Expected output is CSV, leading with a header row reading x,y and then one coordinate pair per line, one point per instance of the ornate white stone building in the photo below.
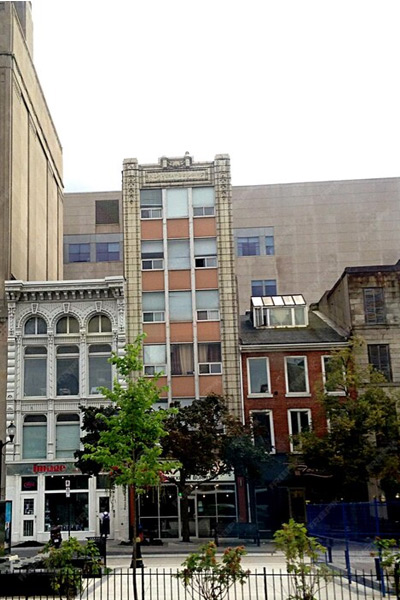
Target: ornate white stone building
x,y
60,337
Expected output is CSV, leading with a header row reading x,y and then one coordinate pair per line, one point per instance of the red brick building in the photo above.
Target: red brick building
x,y
284,351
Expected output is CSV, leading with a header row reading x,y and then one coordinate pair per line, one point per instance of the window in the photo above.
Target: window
x,y
99,367
79,253
278,315
35,326
262,426
203,200
151,204
207,305
107,251
99,324
67,371
182,359
379,359
153,305
248,246
263,287
269,245
299,422
258,376
67,325
205,253
107,212
154,359
374,306
178,254
210,358
177,203
34,437
296,375
68,433
152,255
35,371
333,376
180,306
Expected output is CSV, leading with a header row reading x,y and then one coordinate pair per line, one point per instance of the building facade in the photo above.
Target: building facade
x,y
285,348
60,337
31,203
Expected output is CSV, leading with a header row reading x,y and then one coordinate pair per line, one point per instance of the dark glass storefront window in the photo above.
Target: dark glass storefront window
x,y
28,484
71,513
57,482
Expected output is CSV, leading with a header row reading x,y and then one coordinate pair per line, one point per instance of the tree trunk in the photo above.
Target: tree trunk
x,y
134,546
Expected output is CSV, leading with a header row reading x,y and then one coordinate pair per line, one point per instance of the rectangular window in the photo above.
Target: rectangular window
x,y
182,359
177,203
152,255
374,306
79,253
100,372
151,204
35,371
180,306
107,251
207,305
154,358
210,358
153,305
178,254
333,376
67,369
107,212
299,422
269,245
262,426
264,287
205,253
379,359
68,433
258,376
203,200
34,437
296,375
248,246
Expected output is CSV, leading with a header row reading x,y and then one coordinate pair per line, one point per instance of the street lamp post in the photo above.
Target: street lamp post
x,y
11,435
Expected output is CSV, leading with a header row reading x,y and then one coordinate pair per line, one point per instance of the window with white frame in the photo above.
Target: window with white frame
x,y
153,307
99,324
34,437
182,359
210,361
180,306
177,203
35,371
152,255
178,254
263,430
100,371
279,311
151,204
207,305
333,375
258,376
205,253
203,200
299,422
296,375
35,326
68,432
67,326
154,358
67,370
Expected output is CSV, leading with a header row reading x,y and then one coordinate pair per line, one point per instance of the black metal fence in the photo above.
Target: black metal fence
x,y
163,584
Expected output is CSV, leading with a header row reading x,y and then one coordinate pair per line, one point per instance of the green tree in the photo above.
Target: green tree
x,y
363,437
128,446
208,442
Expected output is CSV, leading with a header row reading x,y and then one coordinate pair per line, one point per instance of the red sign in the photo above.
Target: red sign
x,y
49,468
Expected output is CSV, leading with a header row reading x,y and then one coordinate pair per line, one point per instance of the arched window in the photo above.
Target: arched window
x,y
35,371
99,324
99,367
67,325
67,370
34,437
68,433
35,326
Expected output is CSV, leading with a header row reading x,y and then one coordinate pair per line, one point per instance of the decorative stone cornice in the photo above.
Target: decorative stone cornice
x,y
64,291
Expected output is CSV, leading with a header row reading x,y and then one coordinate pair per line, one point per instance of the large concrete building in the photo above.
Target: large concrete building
x,y
31,204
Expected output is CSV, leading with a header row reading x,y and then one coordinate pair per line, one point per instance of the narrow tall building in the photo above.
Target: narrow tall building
x,y
179,266
30,171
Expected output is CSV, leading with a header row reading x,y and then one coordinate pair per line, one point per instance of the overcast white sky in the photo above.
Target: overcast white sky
x,y
293,90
